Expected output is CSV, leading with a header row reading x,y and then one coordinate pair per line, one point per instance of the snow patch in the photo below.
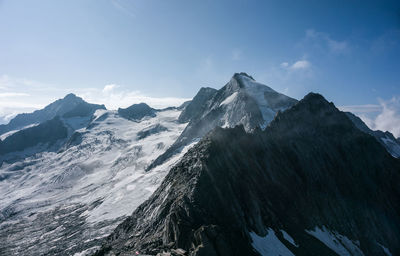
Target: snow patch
x,y
393,146
89,251
386,250
229,99
269,245
5,135
257,91
288,238
337,242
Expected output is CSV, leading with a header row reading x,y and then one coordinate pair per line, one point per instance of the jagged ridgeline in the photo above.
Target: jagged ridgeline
x,y
311,183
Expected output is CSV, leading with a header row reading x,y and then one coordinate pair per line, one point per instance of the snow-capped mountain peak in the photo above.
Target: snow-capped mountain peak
x,y
242,101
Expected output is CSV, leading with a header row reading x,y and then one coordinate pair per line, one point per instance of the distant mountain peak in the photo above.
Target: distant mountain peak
x,y
71,105
136,112
242,101
71,96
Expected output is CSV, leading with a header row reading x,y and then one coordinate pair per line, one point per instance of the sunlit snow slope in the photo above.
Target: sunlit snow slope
x,y
62,203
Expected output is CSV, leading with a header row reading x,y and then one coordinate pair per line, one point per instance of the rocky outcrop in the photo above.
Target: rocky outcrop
x,y
196,108
310,171
137,111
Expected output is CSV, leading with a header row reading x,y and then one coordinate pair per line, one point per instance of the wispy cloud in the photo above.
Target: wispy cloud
x,y
301,64
368,108
123,8
19,95
236,54
324,41
12,94
115,96
109,88
384,117
389,40
389,118
284,64
297,65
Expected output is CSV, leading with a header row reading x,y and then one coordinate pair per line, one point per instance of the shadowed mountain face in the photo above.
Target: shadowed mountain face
x,y
70,105
137,111
310,184
242,101
46,133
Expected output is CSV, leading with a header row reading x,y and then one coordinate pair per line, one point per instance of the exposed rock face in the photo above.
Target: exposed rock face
x,y
387,139
83,109
70,103
310,171
195,108
242,101
137,111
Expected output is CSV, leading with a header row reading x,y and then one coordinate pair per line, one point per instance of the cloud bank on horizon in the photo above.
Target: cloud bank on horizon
x,y
384,117
14,101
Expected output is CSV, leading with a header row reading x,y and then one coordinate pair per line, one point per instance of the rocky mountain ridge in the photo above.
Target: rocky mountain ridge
x,y
320,187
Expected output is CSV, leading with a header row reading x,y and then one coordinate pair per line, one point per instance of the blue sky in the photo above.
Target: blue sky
x,y
118,52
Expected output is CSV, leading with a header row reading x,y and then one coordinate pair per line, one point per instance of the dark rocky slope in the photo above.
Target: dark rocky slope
x,y
310,168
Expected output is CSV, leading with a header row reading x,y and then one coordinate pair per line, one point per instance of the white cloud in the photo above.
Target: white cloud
x,y
109,88
384,117
389,118
298,65
115,96
284,64
19,95
301,64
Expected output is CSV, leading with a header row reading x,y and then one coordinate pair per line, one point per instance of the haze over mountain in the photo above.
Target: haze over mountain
x,y
243,169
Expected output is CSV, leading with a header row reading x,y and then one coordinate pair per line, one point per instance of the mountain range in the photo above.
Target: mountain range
x,y
243,170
